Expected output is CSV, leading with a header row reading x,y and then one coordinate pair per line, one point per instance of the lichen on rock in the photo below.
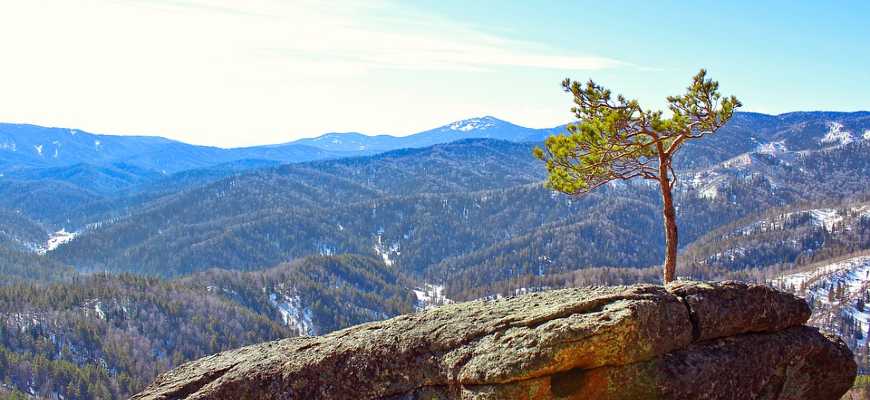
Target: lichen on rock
x,y
690,340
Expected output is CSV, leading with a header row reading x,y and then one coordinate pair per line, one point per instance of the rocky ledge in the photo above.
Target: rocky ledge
x,y
685,341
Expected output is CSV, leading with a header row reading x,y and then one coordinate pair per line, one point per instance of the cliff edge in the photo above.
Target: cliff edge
x,y
689,340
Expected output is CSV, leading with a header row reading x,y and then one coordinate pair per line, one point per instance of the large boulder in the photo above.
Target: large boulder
x,y
690,340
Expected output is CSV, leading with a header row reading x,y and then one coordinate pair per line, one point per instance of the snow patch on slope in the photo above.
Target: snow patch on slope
x,y
807,281
772,148
834,291
96,306
55,240
743,160
823,217
293,314
730,254
707,183
837,135
430,296
325,250
710,192
385,251
826,217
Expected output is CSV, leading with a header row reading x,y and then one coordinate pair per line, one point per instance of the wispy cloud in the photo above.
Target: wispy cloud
x,y
325,36
258,71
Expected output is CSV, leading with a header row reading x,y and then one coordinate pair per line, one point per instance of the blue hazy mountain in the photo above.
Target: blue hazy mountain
x,y
41,168
25,146
28,147
474,128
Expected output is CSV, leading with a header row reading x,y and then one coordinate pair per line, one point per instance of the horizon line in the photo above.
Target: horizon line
x,y
158,136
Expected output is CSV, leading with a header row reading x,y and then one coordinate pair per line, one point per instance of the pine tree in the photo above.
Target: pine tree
x,y
619,140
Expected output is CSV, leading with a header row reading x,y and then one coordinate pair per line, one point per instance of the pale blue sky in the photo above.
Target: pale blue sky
x,y
233,73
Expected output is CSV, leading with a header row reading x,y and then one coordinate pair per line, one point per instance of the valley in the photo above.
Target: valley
x,y
124,259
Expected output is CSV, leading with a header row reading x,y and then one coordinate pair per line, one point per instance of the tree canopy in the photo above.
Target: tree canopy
x,y
616,139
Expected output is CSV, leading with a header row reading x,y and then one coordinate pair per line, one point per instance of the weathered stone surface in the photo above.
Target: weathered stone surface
x,y
640,341
796,363
730,308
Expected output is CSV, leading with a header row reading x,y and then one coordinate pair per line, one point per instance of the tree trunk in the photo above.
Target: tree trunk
x,y
670,220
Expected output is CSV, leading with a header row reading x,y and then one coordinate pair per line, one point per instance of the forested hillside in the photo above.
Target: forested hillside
x,y
837,290
113,271
424,210
21,240
105,336
796,235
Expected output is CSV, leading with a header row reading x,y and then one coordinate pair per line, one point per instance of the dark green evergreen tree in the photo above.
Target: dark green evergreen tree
x,y
619,140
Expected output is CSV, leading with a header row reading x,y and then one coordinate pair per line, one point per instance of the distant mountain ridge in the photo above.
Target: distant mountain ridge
x,y
65,191
370,233
25,146
424,209
487,127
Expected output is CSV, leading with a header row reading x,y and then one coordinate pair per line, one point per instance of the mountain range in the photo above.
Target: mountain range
x,y
484,127
24,146
142,220
320,234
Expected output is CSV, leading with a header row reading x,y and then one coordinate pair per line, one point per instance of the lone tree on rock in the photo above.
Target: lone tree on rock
x,y
619,140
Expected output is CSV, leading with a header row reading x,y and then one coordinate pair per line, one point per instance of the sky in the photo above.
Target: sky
x,y
237,73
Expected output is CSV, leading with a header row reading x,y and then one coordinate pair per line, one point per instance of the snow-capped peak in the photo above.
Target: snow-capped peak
x,y
472,124
867,134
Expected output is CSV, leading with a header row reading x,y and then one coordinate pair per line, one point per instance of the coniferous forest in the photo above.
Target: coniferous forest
x,y
113,271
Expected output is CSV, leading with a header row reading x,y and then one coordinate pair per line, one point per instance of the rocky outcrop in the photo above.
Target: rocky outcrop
x,y
687,341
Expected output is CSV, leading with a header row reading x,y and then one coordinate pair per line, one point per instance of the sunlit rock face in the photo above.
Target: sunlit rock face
x,y
688,340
